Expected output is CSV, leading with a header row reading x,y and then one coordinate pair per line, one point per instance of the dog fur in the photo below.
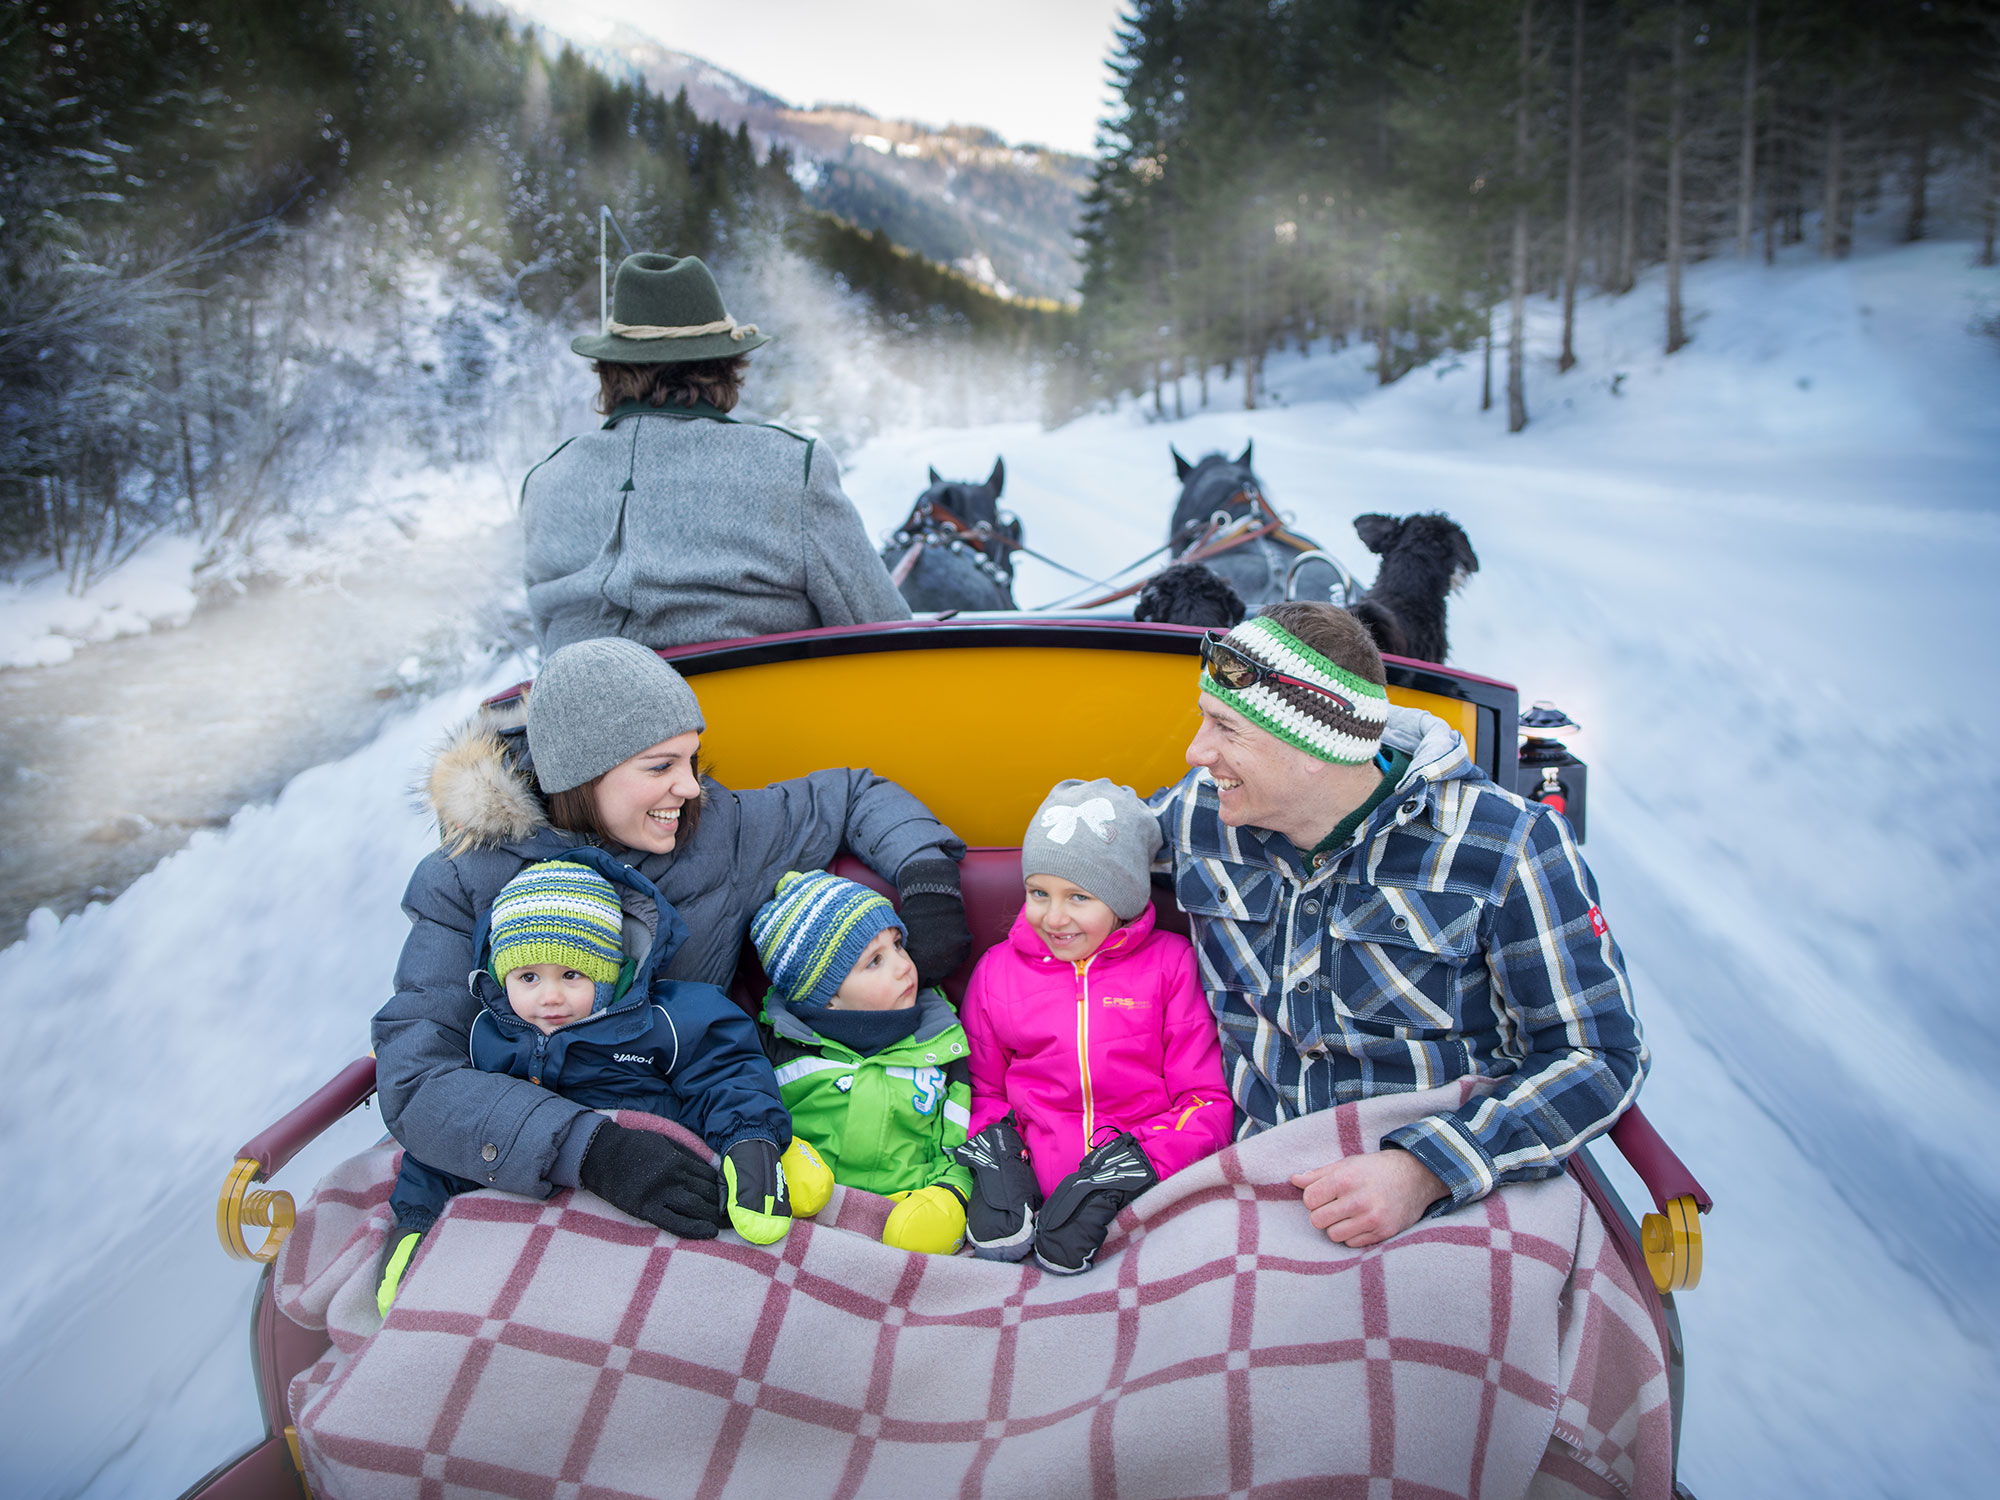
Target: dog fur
x,y
1425,559
1189,594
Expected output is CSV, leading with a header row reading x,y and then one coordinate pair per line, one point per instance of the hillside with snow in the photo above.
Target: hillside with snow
x,y
1758,573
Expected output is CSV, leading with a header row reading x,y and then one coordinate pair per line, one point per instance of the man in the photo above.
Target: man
x,y
1373,915
675,523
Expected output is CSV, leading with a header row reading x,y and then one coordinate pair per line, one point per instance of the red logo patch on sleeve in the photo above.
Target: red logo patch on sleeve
x,y
1597,923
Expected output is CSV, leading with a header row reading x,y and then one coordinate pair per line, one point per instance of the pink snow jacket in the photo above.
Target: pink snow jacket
x,y
1123,1040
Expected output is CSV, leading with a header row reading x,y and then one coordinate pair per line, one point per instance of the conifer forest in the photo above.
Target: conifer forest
x,y
1409,172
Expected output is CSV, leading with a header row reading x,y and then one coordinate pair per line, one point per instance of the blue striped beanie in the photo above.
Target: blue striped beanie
x,y
558,912
812,932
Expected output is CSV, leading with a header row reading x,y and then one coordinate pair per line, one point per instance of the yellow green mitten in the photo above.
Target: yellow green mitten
x,y
808,1179
753,1191
396,1252
928,1220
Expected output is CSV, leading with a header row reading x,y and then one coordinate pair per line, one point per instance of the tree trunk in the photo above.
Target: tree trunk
x,y
1992,203
1746,179
1486,377
1628,209
1676,332
1517,399
1251,360
1920,172
1831,245
1573,205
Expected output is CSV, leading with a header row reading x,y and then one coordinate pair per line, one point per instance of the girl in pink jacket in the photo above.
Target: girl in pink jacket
x,y
1095,1066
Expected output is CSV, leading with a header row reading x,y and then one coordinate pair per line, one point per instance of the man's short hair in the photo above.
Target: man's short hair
x,y
1334,634
718,382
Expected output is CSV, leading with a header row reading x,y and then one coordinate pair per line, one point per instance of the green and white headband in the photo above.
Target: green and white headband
x,y
1326,710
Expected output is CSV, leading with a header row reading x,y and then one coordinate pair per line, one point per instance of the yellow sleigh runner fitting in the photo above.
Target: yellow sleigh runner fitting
x,y
1672,1242
262,1208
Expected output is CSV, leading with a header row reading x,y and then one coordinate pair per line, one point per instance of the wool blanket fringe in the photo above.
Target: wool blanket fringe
x,y
1221,1347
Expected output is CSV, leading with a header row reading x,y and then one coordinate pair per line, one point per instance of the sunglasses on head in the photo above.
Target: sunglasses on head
x,y
1240,672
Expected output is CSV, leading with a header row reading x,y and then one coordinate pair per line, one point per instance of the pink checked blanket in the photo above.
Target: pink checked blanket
x,y
1221,1347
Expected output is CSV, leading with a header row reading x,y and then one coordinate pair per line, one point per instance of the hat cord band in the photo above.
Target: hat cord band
x,y
736,330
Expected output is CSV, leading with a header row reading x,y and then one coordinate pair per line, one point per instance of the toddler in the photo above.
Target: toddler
x,y
872,1069
565,1008
1095,1065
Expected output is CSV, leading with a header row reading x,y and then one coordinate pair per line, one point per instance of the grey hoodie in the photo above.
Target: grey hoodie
x,y
673,526
506,1132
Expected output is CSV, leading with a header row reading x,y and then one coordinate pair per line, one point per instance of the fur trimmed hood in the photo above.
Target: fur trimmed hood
x,y
479,789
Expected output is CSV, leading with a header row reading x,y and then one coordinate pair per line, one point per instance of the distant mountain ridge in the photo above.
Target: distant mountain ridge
x,y
1004,216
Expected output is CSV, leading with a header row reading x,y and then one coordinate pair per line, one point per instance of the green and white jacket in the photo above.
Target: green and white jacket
x,y
884,1123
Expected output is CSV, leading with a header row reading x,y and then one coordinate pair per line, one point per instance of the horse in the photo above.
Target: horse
x,y
955,551
1224,522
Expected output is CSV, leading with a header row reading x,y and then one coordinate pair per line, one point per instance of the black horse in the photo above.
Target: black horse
x,y
1224,519
956,549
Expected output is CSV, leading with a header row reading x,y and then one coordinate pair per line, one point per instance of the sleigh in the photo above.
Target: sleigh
x,y
942,707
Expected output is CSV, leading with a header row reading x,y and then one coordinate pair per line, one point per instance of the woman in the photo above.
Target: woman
x,y
613,742
674,522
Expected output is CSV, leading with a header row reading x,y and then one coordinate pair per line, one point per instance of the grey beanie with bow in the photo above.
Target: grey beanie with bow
x,y
1097,835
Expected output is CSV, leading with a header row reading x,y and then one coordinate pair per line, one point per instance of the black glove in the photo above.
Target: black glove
x,y
1000,1214
935,934
653,1178
1079,1212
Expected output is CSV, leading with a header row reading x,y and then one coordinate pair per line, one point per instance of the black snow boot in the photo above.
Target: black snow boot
x,y
1079,1212
1000,1214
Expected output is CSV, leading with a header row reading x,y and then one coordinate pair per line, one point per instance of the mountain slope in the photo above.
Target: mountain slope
x,y
1005,216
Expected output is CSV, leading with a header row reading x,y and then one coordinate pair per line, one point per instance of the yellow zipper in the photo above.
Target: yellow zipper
x,y
1083,1046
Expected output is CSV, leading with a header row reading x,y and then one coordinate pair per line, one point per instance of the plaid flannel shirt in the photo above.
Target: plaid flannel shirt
x,y
1457,933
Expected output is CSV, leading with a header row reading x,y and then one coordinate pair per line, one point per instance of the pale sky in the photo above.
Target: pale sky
x,y
1034,70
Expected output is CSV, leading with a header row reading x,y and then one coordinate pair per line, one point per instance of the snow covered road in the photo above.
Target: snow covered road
x,y
1768,603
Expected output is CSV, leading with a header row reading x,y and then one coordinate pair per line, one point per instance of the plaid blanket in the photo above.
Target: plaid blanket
x,y
1221,1347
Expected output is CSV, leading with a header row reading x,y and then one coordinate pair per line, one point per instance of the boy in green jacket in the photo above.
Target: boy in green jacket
x,y
874,1071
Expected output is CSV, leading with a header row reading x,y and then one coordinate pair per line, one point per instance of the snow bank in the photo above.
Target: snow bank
x,y
42,623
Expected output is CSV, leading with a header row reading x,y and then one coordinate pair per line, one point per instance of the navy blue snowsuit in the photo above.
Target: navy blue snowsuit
x,y
668,1047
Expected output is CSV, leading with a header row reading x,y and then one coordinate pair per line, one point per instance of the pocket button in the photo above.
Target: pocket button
x,y
489,1152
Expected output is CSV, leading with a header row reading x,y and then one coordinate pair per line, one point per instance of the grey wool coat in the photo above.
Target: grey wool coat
x,y
680,524
508,1133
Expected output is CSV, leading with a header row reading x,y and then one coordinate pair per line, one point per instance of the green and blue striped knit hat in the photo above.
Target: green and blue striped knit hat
x,y
558,912
1342,723
812,932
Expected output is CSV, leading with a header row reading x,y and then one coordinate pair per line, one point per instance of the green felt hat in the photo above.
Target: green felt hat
x,y
666,310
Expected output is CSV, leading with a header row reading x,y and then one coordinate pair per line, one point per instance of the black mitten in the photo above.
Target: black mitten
x,y
654,1178
935,933
1000,1214
1072,1225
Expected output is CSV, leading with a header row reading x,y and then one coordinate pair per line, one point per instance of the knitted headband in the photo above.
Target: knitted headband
x,y
558,912
1346,729
812,932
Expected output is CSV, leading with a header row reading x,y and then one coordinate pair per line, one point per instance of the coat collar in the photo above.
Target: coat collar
x,y
642,409
935,1019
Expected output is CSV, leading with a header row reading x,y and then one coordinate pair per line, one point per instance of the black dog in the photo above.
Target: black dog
x,y
1189,594
1424,559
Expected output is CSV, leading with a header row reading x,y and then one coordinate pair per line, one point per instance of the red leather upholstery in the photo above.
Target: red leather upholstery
x,y
989,879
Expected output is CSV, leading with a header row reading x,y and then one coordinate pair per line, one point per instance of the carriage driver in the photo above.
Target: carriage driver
x,y
1374,916
675,523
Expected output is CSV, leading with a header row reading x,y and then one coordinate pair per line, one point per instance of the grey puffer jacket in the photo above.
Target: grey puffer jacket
x,y
679,525
506,1132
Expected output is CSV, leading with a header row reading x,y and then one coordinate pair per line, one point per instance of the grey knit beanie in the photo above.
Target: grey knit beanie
x,y
597,703
1098,835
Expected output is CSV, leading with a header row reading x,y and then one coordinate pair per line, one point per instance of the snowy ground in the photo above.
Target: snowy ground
x,y
1757,573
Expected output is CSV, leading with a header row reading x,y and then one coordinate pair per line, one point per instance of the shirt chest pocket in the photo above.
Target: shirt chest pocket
x,y
1399,957
1235,909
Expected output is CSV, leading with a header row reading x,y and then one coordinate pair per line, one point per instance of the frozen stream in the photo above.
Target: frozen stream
x,y
111,760
1759,573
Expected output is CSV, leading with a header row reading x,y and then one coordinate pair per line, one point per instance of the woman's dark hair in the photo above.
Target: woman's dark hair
x,y
719,382
575,810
